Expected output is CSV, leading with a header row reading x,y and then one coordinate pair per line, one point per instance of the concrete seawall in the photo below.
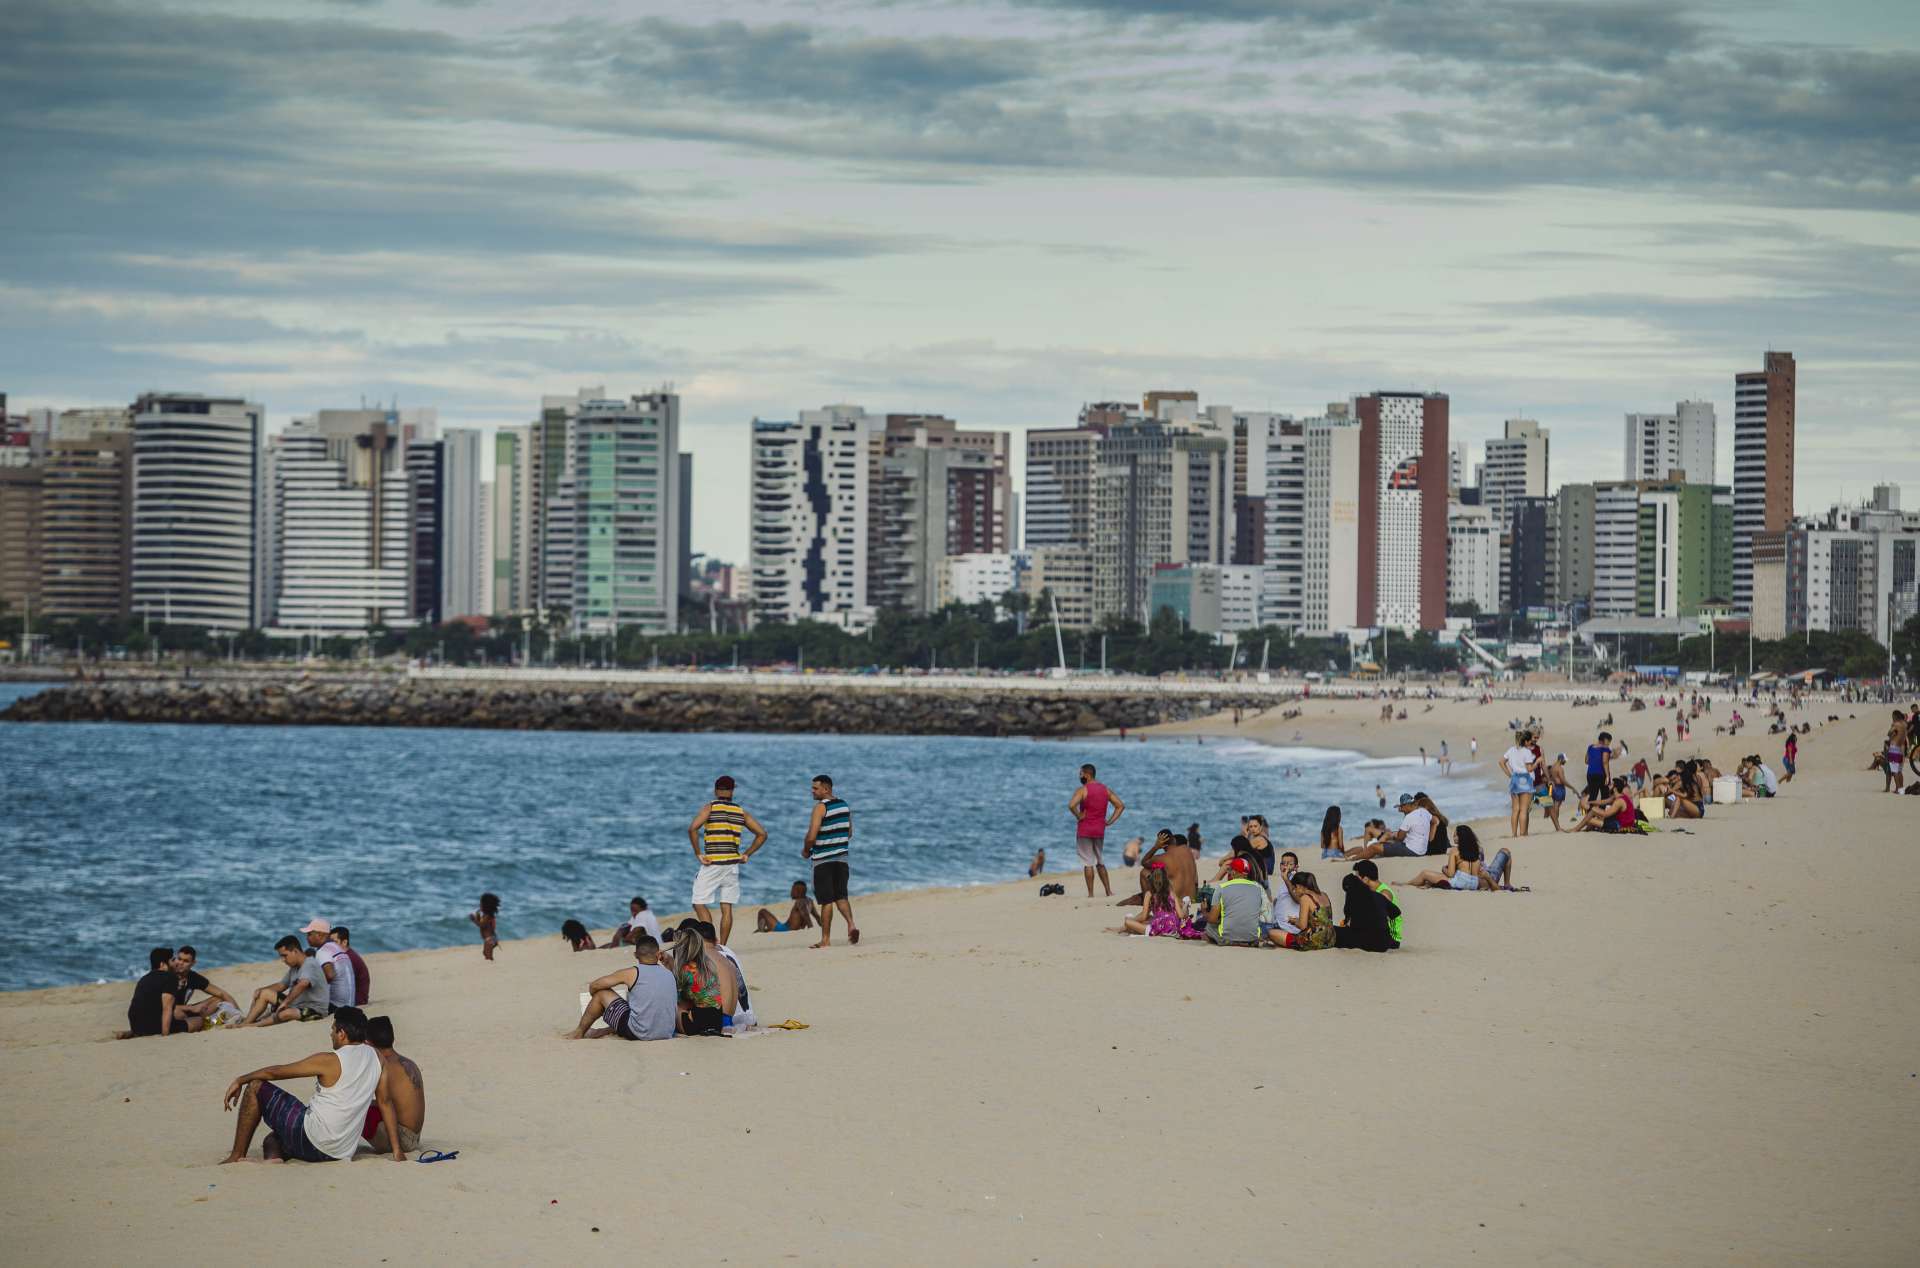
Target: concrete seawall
x,y
699,704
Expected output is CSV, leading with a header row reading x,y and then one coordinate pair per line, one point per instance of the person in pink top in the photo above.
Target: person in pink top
x,y
1094,808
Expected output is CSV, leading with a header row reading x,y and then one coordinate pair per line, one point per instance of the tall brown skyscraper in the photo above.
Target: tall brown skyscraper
x,y
1763,413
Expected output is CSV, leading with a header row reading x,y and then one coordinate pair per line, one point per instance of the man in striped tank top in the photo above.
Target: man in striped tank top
x,y
828,836
715,835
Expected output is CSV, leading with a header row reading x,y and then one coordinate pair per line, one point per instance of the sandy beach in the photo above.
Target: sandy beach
x,y
1678,1048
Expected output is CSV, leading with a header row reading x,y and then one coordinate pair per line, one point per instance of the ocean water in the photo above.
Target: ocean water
x,y
115,838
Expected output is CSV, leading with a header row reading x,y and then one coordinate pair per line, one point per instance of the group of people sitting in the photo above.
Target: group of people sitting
x,y
323,974
693,986
1246,904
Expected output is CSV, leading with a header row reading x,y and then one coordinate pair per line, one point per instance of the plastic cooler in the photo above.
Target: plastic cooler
x,y
1726,790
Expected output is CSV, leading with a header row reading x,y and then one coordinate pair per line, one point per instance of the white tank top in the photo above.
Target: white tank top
x,y
337,1114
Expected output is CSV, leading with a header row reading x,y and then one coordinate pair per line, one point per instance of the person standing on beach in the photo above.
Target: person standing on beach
x,y
715,836
1090,806
1600,756
1517,765
829,834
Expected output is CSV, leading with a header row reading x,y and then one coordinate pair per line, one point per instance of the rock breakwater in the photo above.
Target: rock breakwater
x,y
701,705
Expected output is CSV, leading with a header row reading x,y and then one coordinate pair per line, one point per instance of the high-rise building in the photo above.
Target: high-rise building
x,y
683,506
1530,547
1763,425
88,522
1856,568
1516,467
343,494
1059,581
1161,495
935,489
1473,558
1403,509
515,499
426,488
625,486
197,495
1661,446
809,539
1331,542
1573,561
1616,548
549,457
22,497
1059,482
1281,475
466,538
1685,551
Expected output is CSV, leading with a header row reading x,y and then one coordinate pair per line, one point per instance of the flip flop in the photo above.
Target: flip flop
x,y
789,1024
434,1155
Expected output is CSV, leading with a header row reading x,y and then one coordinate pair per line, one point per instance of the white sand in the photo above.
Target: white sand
x,y
1676,1048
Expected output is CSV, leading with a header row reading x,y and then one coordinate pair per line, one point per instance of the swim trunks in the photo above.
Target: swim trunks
x,y
830,881
1089,848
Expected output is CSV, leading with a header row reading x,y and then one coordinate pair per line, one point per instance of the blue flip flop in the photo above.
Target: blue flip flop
x,y
434,1155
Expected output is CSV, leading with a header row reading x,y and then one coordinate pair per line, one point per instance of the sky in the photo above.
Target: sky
x,y
995,210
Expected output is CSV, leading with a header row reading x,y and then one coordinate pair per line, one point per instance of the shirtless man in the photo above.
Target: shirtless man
x,y
1183,869
401,1086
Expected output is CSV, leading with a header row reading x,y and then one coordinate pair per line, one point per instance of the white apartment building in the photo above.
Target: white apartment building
x,y
343,528
1276,458
197,511
1616,548
1858,568
1473,557
1059,484
466,540
1059,580
1330,555
808,556
979,577
1658,445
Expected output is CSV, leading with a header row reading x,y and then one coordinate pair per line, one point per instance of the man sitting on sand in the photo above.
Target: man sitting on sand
x,y
1408,841
1238,905
333,961
346,1081
799,916
152,1011
362,980
401,1085
1182,864
639,920
299,996
185,1007
652,1002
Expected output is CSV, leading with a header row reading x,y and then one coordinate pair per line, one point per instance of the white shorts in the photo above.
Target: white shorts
x,y
716,883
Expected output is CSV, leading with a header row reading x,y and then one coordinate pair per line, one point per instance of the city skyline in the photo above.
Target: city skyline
x,y
997,214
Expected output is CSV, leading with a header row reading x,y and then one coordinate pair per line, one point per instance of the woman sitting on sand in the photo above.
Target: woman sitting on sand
x,y
1316,916
702,986
1159,915
1333,841
1462,870
576,935
1676,791
1612,814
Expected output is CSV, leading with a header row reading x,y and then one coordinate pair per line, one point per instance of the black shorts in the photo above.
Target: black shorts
x,y
701,1021
830,881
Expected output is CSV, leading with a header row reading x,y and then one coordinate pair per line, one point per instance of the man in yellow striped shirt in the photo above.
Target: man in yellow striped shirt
x,y
715,836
